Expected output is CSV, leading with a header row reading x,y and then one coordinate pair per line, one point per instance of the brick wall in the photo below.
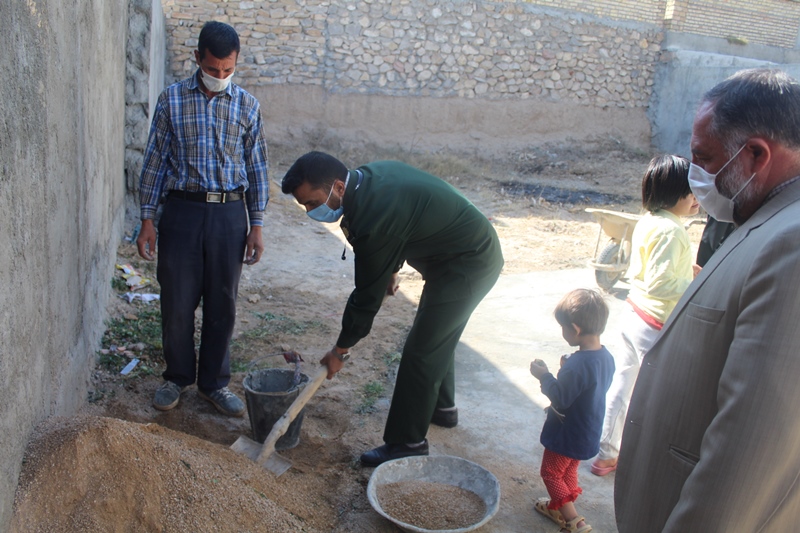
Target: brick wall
x,y
767,22
764,22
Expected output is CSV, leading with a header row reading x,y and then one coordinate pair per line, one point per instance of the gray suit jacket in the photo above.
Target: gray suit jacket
x,y
712,436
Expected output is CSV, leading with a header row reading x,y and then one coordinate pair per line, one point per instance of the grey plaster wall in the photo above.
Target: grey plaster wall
x,y
61,192
306,115
685,74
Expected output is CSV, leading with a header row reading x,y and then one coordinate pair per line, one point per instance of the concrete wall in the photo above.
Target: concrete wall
x,y
690,65
61,192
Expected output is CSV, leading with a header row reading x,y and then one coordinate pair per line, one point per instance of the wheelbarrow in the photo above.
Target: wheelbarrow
x,y
611,262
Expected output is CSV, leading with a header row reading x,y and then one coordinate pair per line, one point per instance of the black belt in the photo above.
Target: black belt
x,y
208,197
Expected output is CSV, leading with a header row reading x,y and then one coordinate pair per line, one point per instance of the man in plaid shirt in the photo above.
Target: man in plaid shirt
x,y
206,160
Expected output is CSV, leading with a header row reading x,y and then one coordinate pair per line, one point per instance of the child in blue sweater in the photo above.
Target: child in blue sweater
x,y
571,432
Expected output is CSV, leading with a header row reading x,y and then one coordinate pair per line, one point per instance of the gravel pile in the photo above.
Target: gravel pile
x,y
103,474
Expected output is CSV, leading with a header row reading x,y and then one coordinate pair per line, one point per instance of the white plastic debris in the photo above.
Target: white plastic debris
x,y
130,366
145,297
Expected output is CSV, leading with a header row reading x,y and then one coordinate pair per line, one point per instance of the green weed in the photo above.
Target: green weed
x,y
284,324
392,358
272,325
370,392
146,328
145,369
119,284
239,365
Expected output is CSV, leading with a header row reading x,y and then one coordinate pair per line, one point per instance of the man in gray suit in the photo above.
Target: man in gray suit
x,y
712,436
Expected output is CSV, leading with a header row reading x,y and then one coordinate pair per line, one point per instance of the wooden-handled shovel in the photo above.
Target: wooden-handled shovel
x,y
265,454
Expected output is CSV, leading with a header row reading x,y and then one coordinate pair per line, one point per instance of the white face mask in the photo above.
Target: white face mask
x,y
215,85
705,190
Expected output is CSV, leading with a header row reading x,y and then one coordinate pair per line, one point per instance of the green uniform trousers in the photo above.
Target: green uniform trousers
x,y
426,377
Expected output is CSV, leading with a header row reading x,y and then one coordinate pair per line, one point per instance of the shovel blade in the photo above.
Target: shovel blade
x,y
277,464
247,446
252,449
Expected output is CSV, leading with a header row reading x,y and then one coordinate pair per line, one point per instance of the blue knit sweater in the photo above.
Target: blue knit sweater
x,y
577,404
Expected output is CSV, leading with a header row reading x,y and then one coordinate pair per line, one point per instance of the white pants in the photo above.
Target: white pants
x,y
637,338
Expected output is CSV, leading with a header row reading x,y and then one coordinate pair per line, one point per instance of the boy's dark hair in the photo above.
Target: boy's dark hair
x,y
585,308
218,38
665,182
318,169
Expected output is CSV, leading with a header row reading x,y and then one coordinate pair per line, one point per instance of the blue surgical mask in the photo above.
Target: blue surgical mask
x,y
323,213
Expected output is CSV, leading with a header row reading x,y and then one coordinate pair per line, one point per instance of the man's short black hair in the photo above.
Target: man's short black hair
x,y
218,38
318,169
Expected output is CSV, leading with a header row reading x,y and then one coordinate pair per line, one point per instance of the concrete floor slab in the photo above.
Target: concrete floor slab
x,y
501,406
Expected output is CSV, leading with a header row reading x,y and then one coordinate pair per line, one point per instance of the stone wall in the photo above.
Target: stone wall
x,y
480,76
61,195
483,75
486,50
144,72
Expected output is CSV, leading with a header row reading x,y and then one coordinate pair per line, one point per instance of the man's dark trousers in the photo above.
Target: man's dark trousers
x,y
200,251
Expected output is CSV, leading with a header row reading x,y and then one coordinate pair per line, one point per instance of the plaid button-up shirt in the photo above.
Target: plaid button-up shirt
x,y
198,143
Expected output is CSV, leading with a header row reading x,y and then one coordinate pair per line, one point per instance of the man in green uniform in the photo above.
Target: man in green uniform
x,y
394,213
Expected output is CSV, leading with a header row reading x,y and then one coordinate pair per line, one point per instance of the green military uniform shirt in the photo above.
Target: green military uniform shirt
x,y
395,213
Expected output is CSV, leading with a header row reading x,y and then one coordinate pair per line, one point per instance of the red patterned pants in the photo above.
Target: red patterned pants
x,y
560,476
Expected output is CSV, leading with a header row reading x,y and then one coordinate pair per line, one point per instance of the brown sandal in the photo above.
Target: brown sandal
x,y
552,514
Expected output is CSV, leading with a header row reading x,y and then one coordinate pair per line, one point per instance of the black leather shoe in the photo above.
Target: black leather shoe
x,y
387,452
445,418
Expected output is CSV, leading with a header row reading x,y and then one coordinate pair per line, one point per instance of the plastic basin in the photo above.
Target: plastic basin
x,y
445,469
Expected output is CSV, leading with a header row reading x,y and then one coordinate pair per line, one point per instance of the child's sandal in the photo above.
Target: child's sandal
x,y
572,525
552,514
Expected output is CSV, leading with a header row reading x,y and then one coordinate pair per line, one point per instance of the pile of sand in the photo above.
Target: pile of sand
x,y
104,474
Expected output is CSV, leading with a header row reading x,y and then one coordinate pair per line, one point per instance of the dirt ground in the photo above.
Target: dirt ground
x,y
121,465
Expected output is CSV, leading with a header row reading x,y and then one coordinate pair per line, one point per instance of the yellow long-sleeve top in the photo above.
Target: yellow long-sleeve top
x,y
661,263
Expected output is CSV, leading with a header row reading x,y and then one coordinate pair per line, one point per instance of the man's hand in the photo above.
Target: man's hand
x,y
394,284
255,246
332,361
146,243
538,368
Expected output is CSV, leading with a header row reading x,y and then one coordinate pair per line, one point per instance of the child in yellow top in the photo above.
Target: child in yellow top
x,y
662,267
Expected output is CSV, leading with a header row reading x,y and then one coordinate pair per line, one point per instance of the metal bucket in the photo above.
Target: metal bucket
x,y
269,393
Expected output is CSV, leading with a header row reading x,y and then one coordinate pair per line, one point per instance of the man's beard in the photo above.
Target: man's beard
x,y
731,183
